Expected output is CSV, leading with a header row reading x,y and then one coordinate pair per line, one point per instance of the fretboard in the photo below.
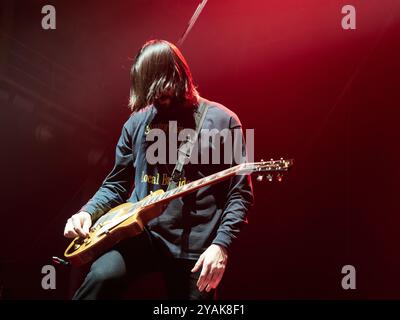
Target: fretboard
x,y
192,186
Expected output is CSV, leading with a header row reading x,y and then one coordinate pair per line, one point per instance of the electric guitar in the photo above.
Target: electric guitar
x,y
128,219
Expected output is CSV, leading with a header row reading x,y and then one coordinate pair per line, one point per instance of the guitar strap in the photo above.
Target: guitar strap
x,y
186,147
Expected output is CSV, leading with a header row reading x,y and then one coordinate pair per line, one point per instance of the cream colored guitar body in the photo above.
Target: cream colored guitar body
x,y
124,221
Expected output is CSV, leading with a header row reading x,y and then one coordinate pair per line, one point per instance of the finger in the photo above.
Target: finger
x,y
69,230
67,226
217,279
198,264
203,275
208,278
71,234
210,282
86,225
77,227
208,288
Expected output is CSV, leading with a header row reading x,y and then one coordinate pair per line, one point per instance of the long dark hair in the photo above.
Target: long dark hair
x,y
160,67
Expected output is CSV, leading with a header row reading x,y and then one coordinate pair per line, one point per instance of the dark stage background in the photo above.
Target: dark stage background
x,y
325,96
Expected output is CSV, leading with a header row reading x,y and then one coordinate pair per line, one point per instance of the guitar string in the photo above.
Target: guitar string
x,y
192,185
167,194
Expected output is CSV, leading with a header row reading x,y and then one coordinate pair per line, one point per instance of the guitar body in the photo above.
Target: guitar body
x,y
103,235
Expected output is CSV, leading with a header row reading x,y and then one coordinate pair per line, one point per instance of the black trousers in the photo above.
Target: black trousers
x,y
109,275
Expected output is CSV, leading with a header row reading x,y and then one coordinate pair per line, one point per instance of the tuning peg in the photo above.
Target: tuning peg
x,y
260,178
279,177
269,177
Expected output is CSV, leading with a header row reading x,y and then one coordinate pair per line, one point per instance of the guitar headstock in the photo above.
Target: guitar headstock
x,y
268,169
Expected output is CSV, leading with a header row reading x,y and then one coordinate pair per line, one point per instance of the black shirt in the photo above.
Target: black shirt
x,y
212,214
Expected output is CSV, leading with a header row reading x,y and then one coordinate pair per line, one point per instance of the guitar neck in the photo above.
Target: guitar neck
x,y
193,186
267,167
160,198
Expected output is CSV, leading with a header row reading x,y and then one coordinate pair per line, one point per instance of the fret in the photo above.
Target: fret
x,y
167,194
149,201
217,174
173,191
156,198
164,195
196,183
230,170
185,187
152,199
191,185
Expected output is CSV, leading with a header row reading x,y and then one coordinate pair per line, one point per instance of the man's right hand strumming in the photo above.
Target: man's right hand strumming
x,y
78,225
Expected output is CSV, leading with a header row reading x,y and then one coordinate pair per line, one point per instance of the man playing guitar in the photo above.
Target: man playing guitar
x,y
189,242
